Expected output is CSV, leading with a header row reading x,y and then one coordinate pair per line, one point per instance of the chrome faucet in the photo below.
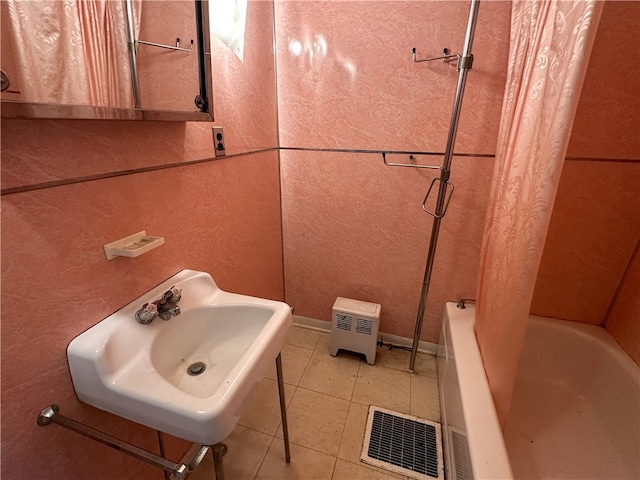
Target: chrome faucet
x,y
165,308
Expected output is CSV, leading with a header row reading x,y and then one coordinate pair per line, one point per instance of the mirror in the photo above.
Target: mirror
x,y
106,59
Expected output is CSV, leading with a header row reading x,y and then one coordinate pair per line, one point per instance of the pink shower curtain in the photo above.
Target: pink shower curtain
x,y
551,42
71,52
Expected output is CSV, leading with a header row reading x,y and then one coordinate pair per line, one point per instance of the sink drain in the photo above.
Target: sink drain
x,y
196,368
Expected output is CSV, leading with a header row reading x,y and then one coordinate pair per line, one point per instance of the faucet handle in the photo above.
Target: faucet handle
x,y
147,313
173,295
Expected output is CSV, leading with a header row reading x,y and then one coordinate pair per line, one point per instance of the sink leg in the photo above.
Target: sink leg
x,y
218,450
283,408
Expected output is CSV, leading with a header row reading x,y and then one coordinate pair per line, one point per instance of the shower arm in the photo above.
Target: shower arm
x,y
464,65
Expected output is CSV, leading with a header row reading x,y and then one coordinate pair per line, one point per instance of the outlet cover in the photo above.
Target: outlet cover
x,y
218,142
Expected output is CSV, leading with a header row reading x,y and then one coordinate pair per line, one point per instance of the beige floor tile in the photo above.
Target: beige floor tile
x,y
398,359
246,451
383,387
353,435
324,343
294,362
303,337
425,402
316,420
350,471
306,464
334,376
262,407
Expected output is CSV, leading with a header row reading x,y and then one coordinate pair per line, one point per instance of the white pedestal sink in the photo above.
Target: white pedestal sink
x,y
141,372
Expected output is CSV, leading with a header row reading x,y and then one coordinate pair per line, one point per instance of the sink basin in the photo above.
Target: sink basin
x,y
187,376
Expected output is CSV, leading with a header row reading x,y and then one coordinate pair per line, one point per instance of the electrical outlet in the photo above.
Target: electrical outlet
x,y
218,142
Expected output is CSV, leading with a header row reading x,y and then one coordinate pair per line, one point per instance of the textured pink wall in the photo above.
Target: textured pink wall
x,y
245,91
607,123
595,225
624,320
594,229
168,78
352,226
346,78
221,216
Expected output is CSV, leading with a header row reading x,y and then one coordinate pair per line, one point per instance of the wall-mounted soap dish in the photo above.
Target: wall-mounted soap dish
x,y
132,246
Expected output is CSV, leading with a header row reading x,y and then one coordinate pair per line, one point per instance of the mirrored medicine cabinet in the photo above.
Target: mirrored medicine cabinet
x,y
106,59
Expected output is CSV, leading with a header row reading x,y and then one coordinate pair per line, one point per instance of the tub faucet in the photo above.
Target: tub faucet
x,y
165,308
463,301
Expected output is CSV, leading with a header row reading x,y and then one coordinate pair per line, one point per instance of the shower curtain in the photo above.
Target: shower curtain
x,y
72,52
551,42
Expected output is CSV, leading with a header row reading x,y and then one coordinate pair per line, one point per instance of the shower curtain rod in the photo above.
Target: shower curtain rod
x,y
465,62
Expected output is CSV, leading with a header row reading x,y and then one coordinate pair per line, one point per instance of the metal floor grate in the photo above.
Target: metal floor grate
x,y
403,444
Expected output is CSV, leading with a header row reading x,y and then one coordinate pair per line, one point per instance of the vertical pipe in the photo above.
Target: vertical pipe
x,y
218,451
463,67
163,452
133,59
283,408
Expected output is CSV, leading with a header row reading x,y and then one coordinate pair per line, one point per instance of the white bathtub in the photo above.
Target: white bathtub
x,y
575,411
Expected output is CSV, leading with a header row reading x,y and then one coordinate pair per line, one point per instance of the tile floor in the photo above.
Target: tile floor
x,y
328,399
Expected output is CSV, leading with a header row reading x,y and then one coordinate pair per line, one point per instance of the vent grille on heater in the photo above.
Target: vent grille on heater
x,y
343,322
364,326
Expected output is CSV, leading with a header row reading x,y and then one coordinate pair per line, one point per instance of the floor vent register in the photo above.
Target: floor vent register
x,y
403,444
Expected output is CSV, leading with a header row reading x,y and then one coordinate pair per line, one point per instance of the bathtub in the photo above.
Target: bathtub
x,y
575,410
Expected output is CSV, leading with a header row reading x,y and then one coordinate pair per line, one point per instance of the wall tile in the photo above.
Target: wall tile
x,y
354,227
594,228
623,322
245,91
346,78
607,123
221,217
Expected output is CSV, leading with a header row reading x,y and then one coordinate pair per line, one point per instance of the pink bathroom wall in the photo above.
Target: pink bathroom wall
x,y
220,216
245,91
595,224
607,123
352,226
346,78
168,79
623,322
365,236
594,229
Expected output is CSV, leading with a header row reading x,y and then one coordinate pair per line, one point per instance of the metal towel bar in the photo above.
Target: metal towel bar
x,y
446,56
444,177
170,47
412,163
179,470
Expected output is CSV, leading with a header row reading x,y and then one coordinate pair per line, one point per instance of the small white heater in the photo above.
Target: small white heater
x,y
354,327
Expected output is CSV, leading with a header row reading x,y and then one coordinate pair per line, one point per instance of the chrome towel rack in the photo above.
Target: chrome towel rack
x,y
446,56
412,163
170,47
443,178
178,470
464,61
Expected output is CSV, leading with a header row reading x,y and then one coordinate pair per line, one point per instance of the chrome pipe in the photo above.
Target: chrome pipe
x,y
50,415
168,47
133,52
218,450
283,408
163,454
464,64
